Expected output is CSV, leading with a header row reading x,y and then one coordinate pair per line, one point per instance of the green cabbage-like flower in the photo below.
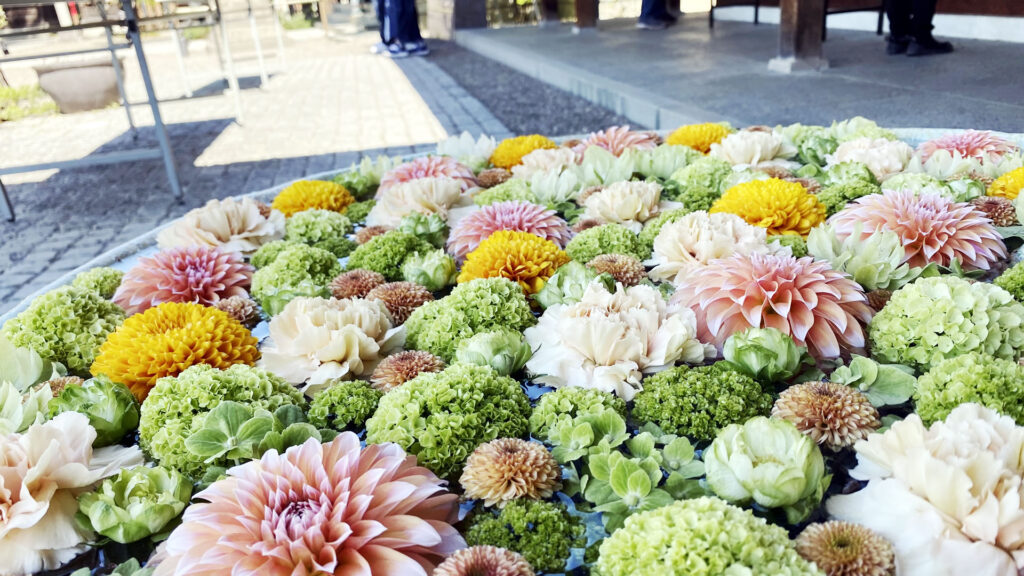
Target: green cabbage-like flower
x,y
362,179
299,270
344,405
111,408
845,173
434,270
386,253
859,127
765,354
477,306
441,417
700,537
605,239
267,253
813,143
103,281
137,503
19,411
918,183
663,161
835,197
979,378
883,384
796,244
599,167
130,567
1012,281
769,462
697,402
566,404
324,229
569,283
513,189
178,406
358,211
875,263
503,350
431,228
65,325
700,183
937,318
964,189
543,532
23,367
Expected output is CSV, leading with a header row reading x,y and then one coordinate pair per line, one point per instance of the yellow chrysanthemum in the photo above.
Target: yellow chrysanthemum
x,y
700,137
310,194
519,256
510,151
167,339
780,206
1008,185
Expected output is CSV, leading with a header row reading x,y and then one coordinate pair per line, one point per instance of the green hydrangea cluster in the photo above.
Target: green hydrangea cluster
x,y
796,244
565,404
324,229
269,252
299,270
698,402
1013,281
837,196
700,183
941,317
481,305
441,417
65,325
700,537
992,382
386,253
358,211
103,281
514,189
653,227
605,239
344,405
111,408
543,532
178,406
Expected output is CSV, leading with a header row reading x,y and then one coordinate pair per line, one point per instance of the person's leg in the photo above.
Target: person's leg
x,y
922,42
899,25
393,21
382,46
652,15
409,30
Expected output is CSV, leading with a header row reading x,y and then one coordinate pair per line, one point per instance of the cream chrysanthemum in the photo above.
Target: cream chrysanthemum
x,y
883,157
544,160
519,256
845,549
833,415
627,203
233,225
505,469
423,195
748,148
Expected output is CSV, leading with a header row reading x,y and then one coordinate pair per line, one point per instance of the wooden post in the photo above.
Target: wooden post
x,y
586,16
444,17
547,13
800,26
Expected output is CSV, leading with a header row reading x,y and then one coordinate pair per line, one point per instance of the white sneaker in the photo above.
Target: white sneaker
x,y
378,48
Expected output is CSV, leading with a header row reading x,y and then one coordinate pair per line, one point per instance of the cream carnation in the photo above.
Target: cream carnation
x,y
748,148
608,340
423,195
883,157
627,203
233,225
545,160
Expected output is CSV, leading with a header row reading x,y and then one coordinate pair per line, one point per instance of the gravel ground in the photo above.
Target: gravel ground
x,y
523,104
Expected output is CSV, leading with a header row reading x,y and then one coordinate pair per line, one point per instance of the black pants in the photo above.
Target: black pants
x,y
399,21
653,10
911,17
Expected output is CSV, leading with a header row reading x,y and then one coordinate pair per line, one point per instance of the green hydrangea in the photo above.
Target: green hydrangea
x,y
876,263
299,270
796,244
111,408
344,405
543,532
386,253
65,325
269,252
698,402
605,239
992,382
565,404
701,183
324,229
481,305
653,227
937,318
700,537
1013,281
137,503
441,417
431,228
103,281
514,189
835,197
178,406
434,270
358,211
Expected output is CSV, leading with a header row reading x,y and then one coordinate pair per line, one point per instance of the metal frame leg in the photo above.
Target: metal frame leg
x,y
179,52
6,204
264,78
228,62
118,72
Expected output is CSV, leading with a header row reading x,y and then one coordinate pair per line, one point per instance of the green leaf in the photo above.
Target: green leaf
x,y
638,484
621,471
228,417
599,492
600,466
682,488
252,432
298,433
1011,231
677,453
208,443
582,436
641,445
289,414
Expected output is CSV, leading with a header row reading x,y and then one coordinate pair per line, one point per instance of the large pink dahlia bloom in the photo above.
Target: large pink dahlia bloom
x,y
980,144
320,509
618,139
819,307
184,274
933,228
428,167
519,216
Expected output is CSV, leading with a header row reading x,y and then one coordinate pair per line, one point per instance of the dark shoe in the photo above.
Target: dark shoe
x,y
651,24
396,51
928,47
670,18
417,48
896,45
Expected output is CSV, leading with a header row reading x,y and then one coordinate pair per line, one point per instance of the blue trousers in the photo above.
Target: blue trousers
x,y
653,10
399,21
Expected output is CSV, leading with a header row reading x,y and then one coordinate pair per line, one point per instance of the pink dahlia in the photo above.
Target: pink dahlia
x,y
980,144
321,509
932,227
618,139
819,307
428,167
518,216
184,274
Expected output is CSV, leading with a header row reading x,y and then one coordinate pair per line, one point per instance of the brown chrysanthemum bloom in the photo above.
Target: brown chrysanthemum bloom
x,y
999,210
401,298
505,469
240,308
492,177
572,143
355,283
625,269
832,414
57,385
484,561
774,171
845,549
368,233
877,299
585,224
812,185
399,368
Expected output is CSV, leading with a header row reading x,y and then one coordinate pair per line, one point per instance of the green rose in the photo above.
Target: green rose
x,y
503,350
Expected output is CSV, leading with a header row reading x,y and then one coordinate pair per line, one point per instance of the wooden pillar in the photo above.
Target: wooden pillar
x,y
547,13
586,16
800,27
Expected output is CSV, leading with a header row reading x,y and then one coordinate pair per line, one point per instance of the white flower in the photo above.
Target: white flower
x,y
746,148
17,411
232,224
315,340
883,157
599,167
423,195
553,187
473,153
627,203
608,340
544,160
41,474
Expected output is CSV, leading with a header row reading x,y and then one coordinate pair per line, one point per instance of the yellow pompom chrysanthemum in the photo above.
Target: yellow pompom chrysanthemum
x,y
167,339
700,137
510,151
310,194
519,256
1008,185
779,206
